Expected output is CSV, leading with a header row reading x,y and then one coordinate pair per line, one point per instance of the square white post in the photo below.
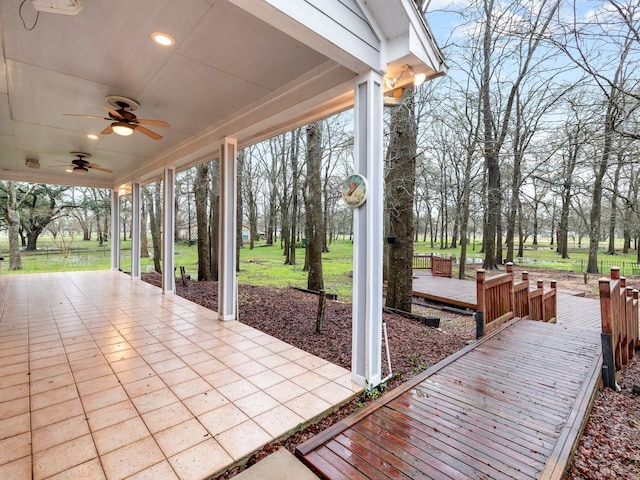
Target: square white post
x,y
168,227
115,230
366,368
227,234
135,230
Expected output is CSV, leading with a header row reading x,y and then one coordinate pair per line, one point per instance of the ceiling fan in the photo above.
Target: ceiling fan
x,y
82,166
123,120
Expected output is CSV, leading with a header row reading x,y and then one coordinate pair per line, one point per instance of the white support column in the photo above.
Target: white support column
x,y
115,230
227,233
168,227
366,367
135,230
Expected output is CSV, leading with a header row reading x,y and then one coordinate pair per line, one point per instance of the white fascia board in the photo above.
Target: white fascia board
x,y
302,21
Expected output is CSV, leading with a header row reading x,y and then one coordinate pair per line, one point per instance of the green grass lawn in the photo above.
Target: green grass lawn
x,y
264,265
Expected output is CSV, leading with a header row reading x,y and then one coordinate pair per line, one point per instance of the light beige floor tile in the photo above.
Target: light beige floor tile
x,y
265,379
238,389
20,367
279,421
51,397
120,434
135,374
49,371
112,414
185,350
51,382
293,353
180,375
14,379
205,402
181,437
76,347
222,377
47,362
17,470
15,425
308,405
132,458
257,352
201,460
208,367
190,388
290,370
168,365
103,399
249,368
15,447
333,393
167,416
222,418
285,391
144,386
159,356
243,439
159,471
154,400
256,403
14,407
87,470
91,373
130,363
116,355
58,433
197,357
331,371
311,362
56,413
97,384
63,457
11,393
310,380
273,360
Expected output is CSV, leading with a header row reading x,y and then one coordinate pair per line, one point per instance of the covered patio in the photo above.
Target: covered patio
x,y
83,353
129,382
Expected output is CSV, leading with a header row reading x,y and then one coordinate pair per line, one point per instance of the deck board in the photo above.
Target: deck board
x,y
510,406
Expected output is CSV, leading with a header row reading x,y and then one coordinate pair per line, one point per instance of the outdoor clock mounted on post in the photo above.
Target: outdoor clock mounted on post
x,y
354,190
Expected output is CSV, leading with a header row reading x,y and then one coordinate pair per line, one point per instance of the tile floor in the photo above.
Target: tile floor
x,y
102,376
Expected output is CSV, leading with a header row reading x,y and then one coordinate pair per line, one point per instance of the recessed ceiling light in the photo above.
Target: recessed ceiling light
x,y
92,136
163,39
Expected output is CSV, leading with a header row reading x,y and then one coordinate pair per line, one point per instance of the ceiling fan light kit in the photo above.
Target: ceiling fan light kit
x,y
123,121
122,128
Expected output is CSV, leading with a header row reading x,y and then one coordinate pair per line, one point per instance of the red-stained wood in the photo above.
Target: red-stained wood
x,y
511,406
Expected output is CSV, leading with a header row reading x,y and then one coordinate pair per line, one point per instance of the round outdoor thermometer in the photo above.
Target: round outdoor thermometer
x,y
354,190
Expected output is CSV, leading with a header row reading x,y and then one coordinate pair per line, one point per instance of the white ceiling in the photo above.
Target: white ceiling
x,y
229,74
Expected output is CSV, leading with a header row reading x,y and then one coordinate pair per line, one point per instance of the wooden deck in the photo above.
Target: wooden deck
x,y
510,406
573,310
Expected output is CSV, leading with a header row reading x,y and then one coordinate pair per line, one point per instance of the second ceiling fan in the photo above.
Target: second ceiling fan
x,y
123,120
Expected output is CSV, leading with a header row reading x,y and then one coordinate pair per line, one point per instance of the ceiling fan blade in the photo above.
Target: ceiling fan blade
x,y
155,123
98,167
85,116
148,132
107,130
113,112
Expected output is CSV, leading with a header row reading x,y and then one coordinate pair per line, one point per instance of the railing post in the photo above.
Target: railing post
x,y
608,361
480,307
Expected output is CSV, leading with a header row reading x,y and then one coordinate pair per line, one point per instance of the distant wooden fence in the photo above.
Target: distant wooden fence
x,y
439,266
619,313
500,299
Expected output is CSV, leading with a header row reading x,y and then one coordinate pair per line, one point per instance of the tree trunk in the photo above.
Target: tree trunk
x,y
153,197
201,196
400,188
13,220
214,219
144,232
315,233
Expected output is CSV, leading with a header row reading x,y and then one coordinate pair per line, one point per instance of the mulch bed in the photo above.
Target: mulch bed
x,y
609,448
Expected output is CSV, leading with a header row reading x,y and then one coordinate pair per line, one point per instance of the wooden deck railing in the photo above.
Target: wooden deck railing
x,y
619,313
500,299
439,266
543,305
